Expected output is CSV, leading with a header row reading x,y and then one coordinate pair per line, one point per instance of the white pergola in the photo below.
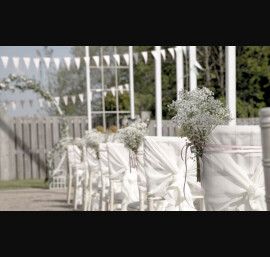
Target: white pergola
x,y
230,80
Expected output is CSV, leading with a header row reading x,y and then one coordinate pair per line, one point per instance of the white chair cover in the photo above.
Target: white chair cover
x,y
75,163
165,172
142,184
119,168
234,181
103,159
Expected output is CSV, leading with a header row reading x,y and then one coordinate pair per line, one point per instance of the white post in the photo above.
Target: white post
x,y
179,69
265,133
131,83
158,91
88,84
231,81
192,67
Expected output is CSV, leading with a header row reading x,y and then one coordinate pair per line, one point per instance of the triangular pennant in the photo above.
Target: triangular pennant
x,y
57,100
87,60
49,104
5,61
47,61
31,103
113,91
96,59
117,58
22,103
107,59
13,104
172,52
145,56
73,98
27,61
5,106
36,62
127,87
40,102
105,93
16,62
65,98
163,53
126,57
197,64
81,96
121,89
77,62
67,62
136,57
154,53
57,63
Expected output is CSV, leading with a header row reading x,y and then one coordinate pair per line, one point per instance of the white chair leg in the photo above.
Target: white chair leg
x,y
202,205
75,202
102,194
112,196
90,188
150,204
142,207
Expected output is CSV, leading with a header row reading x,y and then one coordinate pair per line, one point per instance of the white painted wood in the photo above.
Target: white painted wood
x,y
192,67
131,83
231,81
265,132
158,76
88,84
179,69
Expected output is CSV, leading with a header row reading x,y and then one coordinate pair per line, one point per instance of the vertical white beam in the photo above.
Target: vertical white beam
x,y
131,83
88,85
192,67
231,81
179,69
158,91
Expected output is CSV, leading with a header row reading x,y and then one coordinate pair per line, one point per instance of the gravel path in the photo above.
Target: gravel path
x,y
34,200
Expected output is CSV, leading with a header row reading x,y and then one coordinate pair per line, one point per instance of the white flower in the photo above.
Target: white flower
x,y
132,136
2,85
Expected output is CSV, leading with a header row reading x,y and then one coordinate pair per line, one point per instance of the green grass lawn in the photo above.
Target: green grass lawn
x,y
22,184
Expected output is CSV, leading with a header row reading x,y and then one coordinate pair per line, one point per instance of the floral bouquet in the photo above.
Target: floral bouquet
x,y
133,135
92,140
198,114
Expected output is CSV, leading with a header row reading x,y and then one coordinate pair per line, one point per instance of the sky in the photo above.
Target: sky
x,y
25,51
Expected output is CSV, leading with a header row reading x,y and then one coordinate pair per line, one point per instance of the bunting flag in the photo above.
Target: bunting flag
x,y
47,61
40,102
5,61
197,65
13,104
73,98
87,60
172,52
117,58
145,57
16,62
67,62
27,61
5,106
31,103
126,57
121,89
77,62
57,100
22,103
136,57
107,59
127,87
49,104
65,98
113,91
163,53
57,63
96,59
81,96
105,93
37,63
154,53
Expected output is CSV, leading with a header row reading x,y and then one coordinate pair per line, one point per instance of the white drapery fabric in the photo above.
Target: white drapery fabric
x,y
165,171
120,169
234,181
142,184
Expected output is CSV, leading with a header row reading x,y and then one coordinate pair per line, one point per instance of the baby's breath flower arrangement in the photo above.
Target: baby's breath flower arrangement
x,y
133,135
92,140
198,114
